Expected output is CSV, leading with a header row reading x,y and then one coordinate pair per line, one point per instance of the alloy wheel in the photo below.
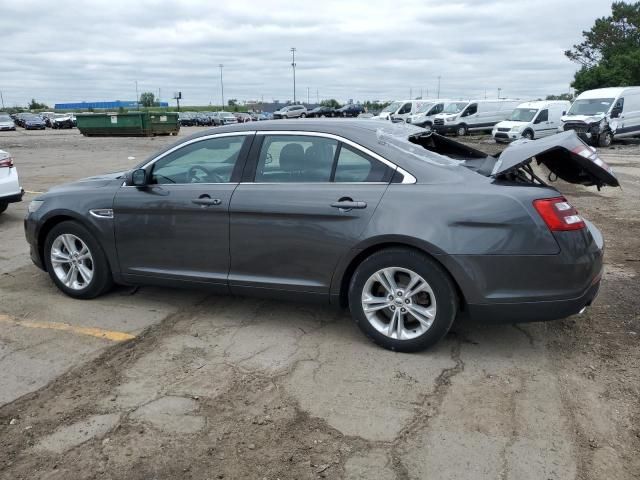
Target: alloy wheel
x,y
399,303
72,261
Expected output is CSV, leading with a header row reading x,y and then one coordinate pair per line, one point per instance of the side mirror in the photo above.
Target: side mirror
x,y
137,178
615,113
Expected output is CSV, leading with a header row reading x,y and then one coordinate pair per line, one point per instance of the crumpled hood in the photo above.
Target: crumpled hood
x,y
582,118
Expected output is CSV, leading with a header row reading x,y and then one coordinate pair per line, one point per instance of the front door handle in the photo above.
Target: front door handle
x,y
207,202
349,205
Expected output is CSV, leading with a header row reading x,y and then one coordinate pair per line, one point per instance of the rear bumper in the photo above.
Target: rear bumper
x,y
533,311
525,288
13,198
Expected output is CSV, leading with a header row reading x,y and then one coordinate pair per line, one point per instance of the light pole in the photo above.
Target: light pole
x,y
293,65
438,87
2,99
499,90
137,97
221,86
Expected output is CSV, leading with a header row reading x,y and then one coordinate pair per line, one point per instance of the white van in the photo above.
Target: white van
x,y
531,120
426,112
474,116
603,114
400,110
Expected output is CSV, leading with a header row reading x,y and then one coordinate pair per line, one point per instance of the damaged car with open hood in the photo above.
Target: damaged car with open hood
x,y
406,228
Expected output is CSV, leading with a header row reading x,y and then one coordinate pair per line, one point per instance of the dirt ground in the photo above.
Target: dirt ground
x,y
162,384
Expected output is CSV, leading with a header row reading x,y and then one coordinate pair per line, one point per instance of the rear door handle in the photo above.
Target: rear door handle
x,y
206,202
349,205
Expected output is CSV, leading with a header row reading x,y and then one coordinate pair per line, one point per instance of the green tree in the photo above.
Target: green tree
x,y
609,55
332,102
147,99
33,105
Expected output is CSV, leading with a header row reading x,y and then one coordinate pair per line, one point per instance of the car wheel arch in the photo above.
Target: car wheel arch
x,y
56,218
342,283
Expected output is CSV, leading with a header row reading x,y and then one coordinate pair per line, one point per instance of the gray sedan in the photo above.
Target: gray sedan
x,y
406,228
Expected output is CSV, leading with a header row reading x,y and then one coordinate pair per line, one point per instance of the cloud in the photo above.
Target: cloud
x,y
70,51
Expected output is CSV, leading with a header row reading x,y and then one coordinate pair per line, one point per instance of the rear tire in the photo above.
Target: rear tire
x,y
429,312
3,206
78,286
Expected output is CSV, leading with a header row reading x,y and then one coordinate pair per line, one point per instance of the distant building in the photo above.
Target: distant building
x,y
102,105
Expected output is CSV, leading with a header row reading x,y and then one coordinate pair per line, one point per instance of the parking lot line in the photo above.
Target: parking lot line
x,y
91,331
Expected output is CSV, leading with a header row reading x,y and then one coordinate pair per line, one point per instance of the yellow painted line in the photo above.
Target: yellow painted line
x,y
91,331
33,193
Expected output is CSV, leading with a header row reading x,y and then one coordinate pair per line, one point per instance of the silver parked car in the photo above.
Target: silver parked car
x,y
6,122
291,111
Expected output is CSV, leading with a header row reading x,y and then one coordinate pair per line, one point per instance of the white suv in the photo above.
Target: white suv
x,y
10,190
292,111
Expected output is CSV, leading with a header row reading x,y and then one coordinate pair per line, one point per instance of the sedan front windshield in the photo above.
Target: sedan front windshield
x,y
591,106
523,114
455,107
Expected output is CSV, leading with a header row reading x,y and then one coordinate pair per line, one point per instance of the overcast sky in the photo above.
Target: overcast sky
x,y
59,51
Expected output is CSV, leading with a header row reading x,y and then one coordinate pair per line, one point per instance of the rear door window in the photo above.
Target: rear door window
x,y
295,158
311,159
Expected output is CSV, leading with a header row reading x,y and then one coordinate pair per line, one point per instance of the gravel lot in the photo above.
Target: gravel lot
x,y
159,383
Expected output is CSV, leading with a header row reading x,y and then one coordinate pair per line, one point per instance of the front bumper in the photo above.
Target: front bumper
x,y
35,127
446,128
30,233
7,128
506,136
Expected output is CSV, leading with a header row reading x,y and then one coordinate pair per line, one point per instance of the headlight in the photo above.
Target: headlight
x,y
35,205
516,129
450,119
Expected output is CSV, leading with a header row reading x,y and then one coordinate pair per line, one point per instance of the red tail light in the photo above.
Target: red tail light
x,y
558,214
6,162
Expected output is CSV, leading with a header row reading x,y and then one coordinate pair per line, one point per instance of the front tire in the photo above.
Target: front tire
x,y
461,131
527,134
605,139
3,206
402,300
75,261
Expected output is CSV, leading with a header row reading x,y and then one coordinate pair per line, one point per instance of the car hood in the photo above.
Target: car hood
x,y
6,122
89,183
582,118
564,154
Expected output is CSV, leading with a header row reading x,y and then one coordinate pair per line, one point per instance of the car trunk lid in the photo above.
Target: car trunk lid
x,y
564,154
